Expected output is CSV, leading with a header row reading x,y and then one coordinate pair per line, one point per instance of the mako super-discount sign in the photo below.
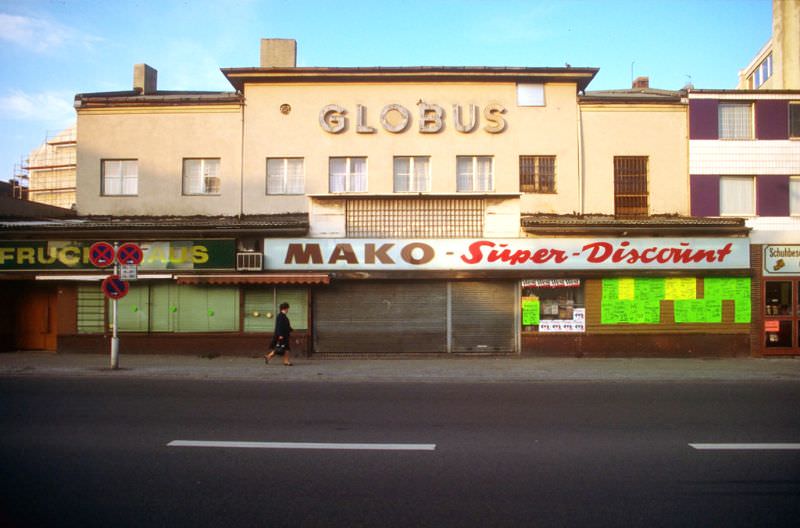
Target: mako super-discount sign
x,y
508,254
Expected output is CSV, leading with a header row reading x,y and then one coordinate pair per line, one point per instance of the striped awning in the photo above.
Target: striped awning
x,y
261,278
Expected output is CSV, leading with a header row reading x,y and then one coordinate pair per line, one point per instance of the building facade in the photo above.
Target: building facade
x,y
407,210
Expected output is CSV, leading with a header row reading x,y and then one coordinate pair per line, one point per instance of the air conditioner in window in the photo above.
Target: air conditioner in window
x,y
249,261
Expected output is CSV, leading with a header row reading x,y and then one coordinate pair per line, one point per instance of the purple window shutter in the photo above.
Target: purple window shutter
x,y
772,119
704,198
703,119
772,195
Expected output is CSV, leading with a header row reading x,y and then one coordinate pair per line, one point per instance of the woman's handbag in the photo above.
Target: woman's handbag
x,y
280,348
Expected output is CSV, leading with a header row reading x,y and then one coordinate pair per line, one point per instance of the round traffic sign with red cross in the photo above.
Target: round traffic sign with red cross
x,y
101,254
130,253
114,288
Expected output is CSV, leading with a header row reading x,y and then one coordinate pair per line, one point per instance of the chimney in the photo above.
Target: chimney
x,y
145,79
278,53
641,82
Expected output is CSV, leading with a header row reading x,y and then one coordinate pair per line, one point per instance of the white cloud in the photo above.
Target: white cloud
x,y
40,35
51,108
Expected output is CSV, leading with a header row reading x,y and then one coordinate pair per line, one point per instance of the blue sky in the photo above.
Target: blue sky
x,y
52,49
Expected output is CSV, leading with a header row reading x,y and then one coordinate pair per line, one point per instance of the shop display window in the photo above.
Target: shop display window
x,y
778,297
552,306
778,334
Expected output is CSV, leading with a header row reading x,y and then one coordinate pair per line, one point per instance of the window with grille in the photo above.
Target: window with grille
x,y
630,185
412,174
737,195
537,174
347,175
415,218
201,176
474,173
120,177
285,176
735,121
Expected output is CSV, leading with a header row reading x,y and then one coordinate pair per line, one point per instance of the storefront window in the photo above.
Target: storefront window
x,y
778,334
778,297
553,305
261,307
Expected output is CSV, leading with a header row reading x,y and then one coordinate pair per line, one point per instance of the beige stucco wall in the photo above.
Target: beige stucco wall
x,y
658,132
550,129
159,138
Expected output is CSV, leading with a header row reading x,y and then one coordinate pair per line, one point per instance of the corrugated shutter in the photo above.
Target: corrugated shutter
x,y
376,317
91,309
484,317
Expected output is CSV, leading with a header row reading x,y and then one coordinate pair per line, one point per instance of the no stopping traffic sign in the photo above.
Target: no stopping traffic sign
x,y
101,254
130,253
114,288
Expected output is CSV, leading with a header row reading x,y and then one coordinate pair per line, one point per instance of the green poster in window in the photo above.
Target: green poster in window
x,y
610,289
698,311
530,313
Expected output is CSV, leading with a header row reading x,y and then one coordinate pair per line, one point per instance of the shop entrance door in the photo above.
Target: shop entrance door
x,y
781,317
36,320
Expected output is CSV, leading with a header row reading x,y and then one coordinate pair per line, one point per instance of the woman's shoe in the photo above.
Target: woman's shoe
x,y
287,364
266,359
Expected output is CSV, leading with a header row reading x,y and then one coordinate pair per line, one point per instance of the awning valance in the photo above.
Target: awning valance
x,y
262,278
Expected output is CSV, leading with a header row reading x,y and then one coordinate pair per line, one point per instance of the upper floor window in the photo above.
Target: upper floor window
x,y
794,195
762,73
537,174
474,173
735,120
737,196
285,176
794,120
412,174
630,185
120,178
201,176
347,175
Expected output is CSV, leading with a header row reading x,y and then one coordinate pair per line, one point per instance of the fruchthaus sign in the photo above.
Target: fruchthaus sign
x,y
508,254
41,255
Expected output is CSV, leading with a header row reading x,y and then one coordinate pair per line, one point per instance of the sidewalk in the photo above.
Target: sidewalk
x,y
430,370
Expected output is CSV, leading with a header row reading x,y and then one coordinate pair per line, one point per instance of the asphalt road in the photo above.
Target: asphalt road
x,y
93,452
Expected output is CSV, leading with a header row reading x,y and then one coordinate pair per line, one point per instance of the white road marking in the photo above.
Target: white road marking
x,y
303,445
752,447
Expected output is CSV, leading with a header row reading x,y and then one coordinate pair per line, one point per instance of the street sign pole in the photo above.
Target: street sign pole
x,y
114,336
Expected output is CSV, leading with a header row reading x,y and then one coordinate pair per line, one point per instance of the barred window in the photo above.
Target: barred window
x,y
474,173
347,175
285,176
201,176
412,217
630,185
537,174
120,177
412,174
735,121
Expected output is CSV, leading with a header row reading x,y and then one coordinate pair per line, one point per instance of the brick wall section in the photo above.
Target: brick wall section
x,y
756,294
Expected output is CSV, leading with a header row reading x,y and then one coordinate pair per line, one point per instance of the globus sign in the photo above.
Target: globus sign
x,y
547,254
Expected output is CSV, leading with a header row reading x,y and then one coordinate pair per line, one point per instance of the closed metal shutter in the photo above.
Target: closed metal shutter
x,y
381,317
484,317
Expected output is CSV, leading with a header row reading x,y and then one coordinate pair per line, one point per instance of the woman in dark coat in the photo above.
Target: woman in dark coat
x,y
283,330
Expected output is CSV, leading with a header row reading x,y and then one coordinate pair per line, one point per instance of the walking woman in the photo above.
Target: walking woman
x,y
280,339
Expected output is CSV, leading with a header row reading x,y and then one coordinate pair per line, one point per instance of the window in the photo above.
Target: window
x,y
737,195
630,185
347,175
794,120
553,305
474,173
285,176
412,174
735,121
537,174
201,176
120,177
530,95
794,195
762,73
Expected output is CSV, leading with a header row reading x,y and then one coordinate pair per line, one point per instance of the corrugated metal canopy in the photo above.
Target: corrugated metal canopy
x,y
264,278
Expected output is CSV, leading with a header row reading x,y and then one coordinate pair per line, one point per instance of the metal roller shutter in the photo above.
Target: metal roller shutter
x,y
381,317
484,317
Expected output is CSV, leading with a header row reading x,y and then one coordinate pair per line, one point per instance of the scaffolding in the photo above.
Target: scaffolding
x,y
51,169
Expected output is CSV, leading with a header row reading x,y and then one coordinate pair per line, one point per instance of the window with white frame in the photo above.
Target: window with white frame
x,y
737,196
794,120
412,174
735,120
794,195
120,177
762,73
285,176
201,176
347,175
474,173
